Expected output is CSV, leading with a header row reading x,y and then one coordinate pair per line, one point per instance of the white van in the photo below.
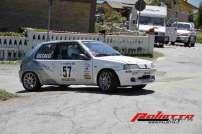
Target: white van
x,y
155,17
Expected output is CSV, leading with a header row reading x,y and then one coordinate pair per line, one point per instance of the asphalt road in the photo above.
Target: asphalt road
x,y
84,110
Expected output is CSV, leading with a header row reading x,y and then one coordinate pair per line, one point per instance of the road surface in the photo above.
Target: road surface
x,y
85,110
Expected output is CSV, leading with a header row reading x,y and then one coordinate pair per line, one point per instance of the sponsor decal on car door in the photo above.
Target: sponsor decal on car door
x,y
76,72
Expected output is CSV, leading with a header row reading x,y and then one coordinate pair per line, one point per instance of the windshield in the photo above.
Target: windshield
x,y
99,49
181,26
156,21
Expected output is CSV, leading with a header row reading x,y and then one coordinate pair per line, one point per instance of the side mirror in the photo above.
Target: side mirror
x,y
84,57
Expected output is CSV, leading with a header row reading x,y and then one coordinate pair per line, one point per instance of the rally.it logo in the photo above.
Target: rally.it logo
x,y
161,117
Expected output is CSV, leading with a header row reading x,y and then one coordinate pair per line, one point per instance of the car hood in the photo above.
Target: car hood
x,y
124,59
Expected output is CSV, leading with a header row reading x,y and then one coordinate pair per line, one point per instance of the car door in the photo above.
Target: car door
x,y
47,64
73,67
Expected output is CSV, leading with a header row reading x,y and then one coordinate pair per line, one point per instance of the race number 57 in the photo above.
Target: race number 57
x,y
67,71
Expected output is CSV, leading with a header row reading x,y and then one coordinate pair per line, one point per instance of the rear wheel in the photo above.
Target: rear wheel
x,y
139,86
30,81
107,81
161,45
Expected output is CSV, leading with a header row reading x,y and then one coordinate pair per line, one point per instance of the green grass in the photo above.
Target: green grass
x,y
199,37
11,62
40,30
10,34
4,95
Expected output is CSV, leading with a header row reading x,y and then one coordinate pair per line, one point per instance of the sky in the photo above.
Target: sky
x,y
195,2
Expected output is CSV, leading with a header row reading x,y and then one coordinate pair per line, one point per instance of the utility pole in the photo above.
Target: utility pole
x,y
50,3
138,25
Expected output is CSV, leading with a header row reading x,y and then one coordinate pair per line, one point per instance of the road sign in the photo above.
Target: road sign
x,y
140,5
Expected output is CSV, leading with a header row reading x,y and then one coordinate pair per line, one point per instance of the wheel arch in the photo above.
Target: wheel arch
x,y
108,69
33,73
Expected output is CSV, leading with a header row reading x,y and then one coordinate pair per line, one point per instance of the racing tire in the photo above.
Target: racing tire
x,y
138,87
31,81
107,81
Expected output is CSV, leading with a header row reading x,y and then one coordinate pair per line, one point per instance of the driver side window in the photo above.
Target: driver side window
x,y
69,51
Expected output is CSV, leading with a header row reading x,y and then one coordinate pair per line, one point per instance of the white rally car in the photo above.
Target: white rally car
x,y
83,63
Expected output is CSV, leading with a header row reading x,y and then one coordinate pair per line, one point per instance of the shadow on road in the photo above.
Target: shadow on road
x,y
95,90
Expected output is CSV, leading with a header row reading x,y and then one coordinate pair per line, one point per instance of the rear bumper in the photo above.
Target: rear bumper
x,y
136,77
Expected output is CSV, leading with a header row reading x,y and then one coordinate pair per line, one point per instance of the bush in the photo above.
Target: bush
x,y
10,34
199,37
5,95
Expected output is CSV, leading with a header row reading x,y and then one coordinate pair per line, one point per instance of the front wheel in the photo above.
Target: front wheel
x,y
30,81
193,45
138,86
107,81
188,44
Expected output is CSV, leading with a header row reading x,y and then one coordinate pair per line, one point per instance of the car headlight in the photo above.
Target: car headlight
x,y
130,66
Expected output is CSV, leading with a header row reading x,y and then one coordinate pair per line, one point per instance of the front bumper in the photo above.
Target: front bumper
x,y
182,39
136,77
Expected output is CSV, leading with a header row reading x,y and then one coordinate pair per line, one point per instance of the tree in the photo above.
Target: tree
x,y
200,16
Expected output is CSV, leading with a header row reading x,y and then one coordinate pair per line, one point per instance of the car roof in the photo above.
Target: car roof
x,y
183,23
59,41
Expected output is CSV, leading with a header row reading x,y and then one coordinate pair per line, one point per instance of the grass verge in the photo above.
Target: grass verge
x,y
199,37
40,30
155,56
11,62
10,34
4,95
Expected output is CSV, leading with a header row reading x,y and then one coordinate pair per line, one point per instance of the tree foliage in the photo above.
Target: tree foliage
x,y
200,16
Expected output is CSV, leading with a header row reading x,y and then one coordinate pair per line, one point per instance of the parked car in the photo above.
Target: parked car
x,y
185,33
83,63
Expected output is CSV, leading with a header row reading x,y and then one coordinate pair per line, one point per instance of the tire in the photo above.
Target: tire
x,y
193,42
193,45
188,44
161,45
138,86
172,43
31,81
64,86
167,42
107,81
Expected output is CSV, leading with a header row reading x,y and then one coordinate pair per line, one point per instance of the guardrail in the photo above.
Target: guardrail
x,y
12,47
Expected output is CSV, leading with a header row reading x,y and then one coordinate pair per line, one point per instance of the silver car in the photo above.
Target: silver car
x,y
185,33
81,62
